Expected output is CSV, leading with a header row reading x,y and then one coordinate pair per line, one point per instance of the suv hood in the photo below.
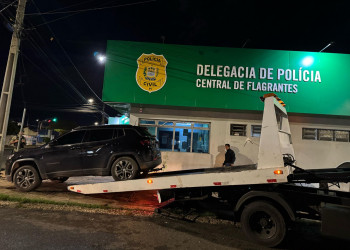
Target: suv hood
x,y
27,153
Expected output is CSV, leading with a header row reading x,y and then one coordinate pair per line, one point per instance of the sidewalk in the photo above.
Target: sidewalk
x,y
57,192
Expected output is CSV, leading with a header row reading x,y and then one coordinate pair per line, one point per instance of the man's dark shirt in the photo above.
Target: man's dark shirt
x,y
230,156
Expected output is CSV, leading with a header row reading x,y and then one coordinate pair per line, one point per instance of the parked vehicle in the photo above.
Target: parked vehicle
x,y
123,151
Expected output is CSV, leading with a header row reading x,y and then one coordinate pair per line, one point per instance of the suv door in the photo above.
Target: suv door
x,y
62,157
97,148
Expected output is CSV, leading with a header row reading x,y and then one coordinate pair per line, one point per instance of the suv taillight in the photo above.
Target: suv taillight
x,y
145,142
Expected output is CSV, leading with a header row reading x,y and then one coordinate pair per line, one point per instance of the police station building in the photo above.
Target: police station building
x,y
195,99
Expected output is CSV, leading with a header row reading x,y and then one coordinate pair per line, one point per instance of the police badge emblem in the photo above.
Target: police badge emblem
x,y
151,72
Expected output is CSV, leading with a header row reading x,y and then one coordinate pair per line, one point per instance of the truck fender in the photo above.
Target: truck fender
x,y
262,195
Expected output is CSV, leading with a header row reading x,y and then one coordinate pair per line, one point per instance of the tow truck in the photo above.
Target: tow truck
x,y
267,197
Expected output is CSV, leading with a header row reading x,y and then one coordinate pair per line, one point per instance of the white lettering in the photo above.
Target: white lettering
x,y
317,76
280,72
219,71
212,70
262,74
226,71
240,72
306,78
269,73
206,70
288,75
294,76
252,73
234,71
198,83
269,87
199,70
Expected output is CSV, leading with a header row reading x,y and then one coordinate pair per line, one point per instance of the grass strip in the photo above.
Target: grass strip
x,y
22,200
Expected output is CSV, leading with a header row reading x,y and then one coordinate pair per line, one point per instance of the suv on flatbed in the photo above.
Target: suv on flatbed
x,y
123,151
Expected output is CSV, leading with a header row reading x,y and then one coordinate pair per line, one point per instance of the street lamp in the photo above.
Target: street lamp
x,y
96,123
90,100
101,58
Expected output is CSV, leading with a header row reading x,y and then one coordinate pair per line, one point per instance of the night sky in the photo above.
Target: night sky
x,y
49,85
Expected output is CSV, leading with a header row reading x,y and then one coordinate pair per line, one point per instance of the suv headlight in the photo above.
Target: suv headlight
x,y
10,156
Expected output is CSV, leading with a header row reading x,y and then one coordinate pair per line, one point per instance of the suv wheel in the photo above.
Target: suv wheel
x,y
26,178
124,168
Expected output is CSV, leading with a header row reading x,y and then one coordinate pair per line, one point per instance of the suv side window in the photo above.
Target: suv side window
x,y
131,133
71,138
143,131
99,135
119,133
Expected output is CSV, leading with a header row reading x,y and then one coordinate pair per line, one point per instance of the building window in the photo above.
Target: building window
x,y
179,136
325,134
340,135
309,134
151,126
238,130
256,130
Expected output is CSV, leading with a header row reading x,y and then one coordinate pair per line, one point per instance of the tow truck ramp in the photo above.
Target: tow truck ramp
x,y
237,175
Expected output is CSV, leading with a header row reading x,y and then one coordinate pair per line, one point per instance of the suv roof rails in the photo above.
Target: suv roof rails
x,y
103,126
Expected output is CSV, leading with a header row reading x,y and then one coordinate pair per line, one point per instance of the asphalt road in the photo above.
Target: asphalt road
x,y
43,229
40,229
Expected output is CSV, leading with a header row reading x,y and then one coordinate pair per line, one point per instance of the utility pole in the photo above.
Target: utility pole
x,y
10,74
103,114
21,131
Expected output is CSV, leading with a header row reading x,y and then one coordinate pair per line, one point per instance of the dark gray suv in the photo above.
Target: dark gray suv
x,y
123,151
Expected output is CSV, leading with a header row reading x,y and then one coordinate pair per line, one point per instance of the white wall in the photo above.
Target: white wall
x,y
309,154
319,154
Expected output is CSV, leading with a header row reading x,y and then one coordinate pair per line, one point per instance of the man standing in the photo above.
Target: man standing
x,y
230,156
15,139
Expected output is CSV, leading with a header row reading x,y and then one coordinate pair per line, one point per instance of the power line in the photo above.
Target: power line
x,y
7,6
54,20
55,68
48,76
69,6
86,10
52,65
66,54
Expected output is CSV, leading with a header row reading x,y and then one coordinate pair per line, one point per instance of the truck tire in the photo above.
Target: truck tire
x,y
263,224
124,168
26,178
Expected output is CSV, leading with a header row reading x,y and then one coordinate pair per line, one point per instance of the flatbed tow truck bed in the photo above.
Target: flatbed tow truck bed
x,y
208,177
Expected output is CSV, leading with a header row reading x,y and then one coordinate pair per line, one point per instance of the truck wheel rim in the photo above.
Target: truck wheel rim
x,y
263,225
25,178
124,170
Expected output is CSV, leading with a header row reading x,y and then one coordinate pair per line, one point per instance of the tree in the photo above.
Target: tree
x,y
13,128
62,126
